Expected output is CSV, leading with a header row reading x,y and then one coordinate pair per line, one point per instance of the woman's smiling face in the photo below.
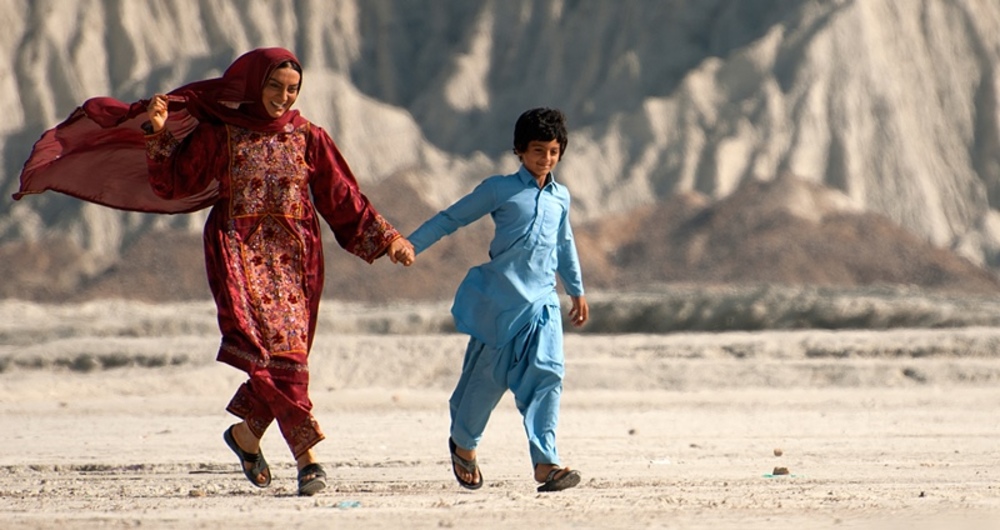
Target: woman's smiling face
x,y
280,91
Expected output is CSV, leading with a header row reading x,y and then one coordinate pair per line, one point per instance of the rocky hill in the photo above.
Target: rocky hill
x,y
828,142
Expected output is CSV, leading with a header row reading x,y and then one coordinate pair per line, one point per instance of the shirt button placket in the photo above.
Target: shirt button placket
x,y
536,223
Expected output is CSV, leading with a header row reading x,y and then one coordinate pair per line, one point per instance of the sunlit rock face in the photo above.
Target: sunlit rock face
x,y
872,112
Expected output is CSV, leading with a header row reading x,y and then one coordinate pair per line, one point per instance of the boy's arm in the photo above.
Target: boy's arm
x,y
570,274
466,210
568,267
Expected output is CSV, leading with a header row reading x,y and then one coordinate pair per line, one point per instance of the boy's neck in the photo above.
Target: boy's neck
x,y
541,180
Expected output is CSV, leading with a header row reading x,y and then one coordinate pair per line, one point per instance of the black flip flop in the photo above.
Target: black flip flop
x,y
565,482
314,485
470,466
257,459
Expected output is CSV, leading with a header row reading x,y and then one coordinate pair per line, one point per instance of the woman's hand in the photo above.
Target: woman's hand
x,y
157,112
401,251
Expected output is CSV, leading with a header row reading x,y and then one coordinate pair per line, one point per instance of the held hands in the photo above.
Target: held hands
x,y
580,312
157,112
401,251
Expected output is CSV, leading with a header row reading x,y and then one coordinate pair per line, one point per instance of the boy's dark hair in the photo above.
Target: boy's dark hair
x,y
542,124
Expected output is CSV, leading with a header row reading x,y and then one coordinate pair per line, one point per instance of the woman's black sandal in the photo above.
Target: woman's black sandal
x,y
315,482
257,459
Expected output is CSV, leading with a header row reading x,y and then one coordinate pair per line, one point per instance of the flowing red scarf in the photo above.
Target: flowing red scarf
x,y
98,153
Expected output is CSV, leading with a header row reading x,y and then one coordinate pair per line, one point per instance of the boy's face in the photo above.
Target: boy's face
x,y
540,157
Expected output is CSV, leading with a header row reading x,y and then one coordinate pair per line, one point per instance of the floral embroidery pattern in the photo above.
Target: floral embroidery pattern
x,y
272,261
375,238
270,187
304,436
269,173
242,406
159,147
278,365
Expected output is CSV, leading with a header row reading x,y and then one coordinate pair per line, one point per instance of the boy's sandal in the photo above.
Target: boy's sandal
x,y
259,466
569,479
312,479
469,466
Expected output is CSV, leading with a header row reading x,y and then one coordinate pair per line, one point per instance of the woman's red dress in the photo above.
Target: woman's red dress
x,y
263,251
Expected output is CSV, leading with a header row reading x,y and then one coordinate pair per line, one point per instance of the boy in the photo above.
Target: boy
x,y
509,305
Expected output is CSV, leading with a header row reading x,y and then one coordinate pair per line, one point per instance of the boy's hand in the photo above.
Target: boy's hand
x,y
580,312
401,251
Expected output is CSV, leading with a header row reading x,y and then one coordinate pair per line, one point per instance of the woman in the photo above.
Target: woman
x,y
235,143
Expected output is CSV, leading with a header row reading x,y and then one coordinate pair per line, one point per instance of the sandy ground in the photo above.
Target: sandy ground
x,y
681,440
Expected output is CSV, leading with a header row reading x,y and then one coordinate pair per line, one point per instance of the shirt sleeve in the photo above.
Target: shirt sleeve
x,y
468,209
183,168
569,261
358,227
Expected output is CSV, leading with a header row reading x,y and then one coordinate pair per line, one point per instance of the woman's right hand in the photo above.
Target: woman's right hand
x,y
401,251
157,112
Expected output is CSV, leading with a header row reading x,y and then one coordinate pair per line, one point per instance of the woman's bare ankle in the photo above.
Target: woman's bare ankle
x,y
309,457
245,438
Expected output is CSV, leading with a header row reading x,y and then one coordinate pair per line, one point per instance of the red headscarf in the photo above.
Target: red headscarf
x,y
98,153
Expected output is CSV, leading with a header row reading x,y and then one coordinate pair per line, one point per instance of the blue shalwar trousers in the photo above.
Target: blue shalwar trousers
x,y
531,366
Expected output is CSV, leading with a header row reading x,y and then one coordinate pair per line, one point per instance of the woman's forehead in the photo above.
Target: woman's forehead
x,y
286,76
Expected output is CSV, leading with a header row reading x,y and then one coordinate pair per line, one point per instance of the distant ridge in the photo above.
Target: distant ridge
x,y
781,141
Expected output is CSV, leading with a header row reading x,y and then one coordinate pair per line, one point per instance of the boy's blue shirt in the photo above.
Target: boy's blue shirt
x,y
533,242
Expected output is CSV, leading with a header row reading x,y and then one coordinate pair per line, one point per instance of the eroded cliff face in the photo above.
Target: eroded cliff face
x,y
891,107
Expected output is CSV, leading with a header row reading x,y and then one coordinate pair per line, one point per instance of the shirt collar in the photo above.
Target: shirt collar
x,y
528,178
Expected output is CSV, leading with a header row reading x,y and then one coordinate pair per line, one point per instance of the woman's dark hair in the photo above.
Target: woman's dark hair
x,y
542,124
290,64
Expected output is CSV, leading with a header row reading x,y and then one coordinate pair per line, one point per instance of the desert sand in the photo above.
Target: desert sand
x,y
877,429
